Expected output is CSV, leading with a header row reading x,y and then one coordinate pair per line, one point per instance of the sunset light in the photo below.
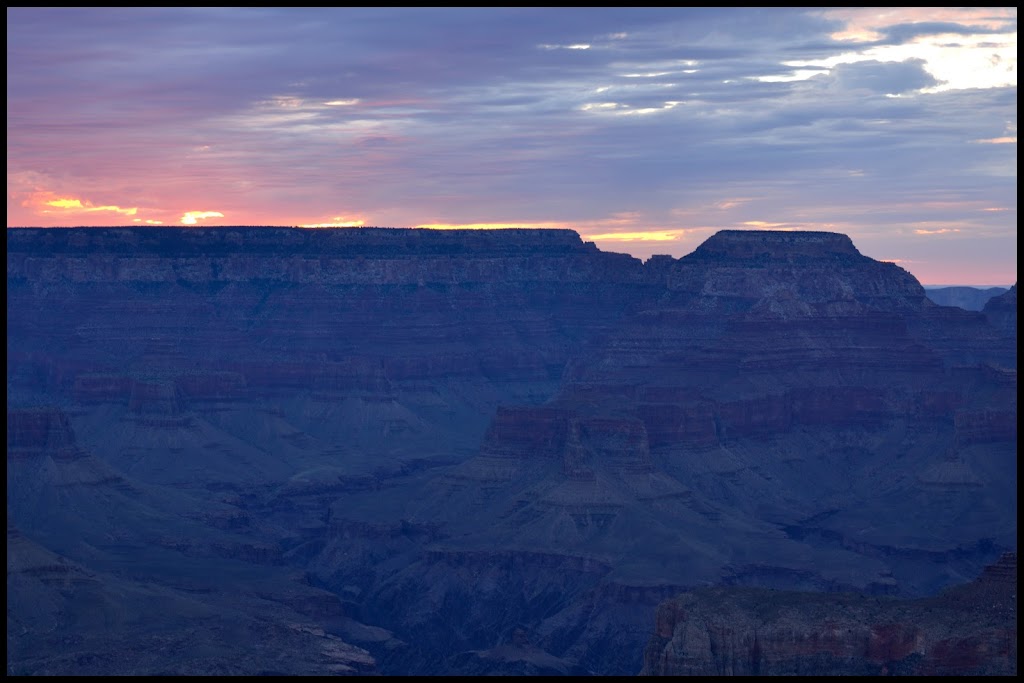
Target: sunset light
x,y
193,217
653,236
848,118
336,223
489,226
550,342
76,205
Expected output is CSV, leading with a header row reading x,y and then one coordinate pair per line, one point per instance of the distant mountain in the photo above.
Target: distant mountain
x,y
481,451
968,298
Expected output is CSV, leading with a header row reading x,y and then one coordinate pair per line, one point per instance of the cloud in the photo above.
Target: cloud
x,y
491,226
901,24
644,236
193,217
904,33
76,205
43,202
936,231
337,222
892,78
453,117
577,46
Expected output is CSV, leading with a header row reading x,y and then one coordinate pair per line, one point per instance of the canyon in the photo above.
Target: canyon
x,y
754,631
422,452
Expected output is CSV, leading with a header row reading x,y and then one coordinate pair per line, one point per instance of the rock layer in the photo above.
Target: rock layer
x,y
786,413
970,630
507,431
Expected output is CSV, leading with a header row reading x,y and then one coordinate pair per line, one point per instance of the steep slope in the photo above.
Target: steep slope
x,y
811,387
107,576
507,447
788,413
1001,311
219,388
64,619
371,347
79,505
967,630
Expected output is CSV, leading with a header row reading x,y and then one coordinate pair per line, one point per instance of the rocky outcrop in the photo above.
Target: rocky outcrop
x,y
776,355
36,432
788,413
968,630
1001,311
781,274
379,257
398,343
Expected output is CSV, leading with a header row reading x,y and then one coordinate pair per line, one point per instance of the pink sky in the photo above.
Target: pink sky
x,y
644,130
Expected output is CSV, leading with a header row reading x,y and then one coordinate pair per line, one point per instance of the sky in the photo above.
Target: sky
x,y
646,130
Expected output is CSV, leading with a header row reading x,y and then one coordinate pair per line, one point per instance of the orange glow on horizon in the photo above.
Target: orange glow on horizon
x,y
337,222
71,205
652,236
66,203
193,217
490,226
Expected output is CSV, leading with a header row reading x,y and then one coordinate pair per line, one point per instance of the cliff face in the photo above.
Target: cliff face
x,y
969,630
402,340
1001,311
786,413
782,379
507,431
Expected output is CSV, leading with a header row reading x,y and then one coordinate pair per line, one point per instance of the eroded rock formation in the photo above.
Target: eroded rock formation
x,y
500,451
156,586
1001,311
968,630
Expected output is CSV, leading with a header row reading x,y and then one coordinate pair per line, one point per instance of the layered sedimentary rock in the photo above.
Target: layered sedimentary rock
x,y
511,431
787,413
828,383
782,378
34,432
1001,311
968,630
399,343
